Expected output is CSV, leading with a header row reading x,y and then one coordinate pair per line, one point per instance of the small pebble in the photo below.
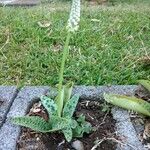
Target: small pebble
x,y
77,145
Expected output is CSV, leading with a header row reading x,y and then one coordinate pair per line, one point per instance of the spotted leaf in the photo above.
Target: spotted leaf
x,y
49,105
34,122
70,107
67,133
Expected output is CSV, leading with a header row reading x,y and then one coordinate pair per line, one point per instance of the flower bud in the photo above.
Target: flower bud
x,y
73,22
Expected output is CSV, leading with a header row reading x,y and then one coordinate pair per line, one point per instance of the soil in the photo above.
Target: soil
x,y
102,121
143,94
142,123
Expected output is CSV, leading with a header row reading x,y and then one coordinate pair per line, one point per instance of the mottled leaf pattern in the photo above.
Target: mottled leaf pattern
x,y
81,119
87,127
34,122
130,103
70,107
59,122
49,105
82,127
67,133
78,131
73,123
145,83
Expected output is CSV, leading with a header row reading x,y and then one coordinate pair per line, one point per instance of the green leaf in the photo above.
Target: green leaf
x,y
78,131
39,124
67,92
70,106
68,134
130,103
34,122
82,127
145,83
81,119
58,123
63,97
49,105
87,127
73,123
60,102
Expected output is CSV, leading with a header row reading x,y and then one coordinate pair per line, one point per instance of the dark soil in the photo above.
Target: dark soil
x,y
143,94
142,123
102,121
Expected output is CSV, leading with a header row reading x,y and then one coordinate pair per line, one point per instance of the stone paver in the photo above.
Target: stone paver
x,y
126,131
7,95
96,93
9,133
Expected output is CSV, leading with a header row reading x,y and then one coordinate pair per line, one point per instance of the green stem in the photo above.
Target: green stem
x,y
65,54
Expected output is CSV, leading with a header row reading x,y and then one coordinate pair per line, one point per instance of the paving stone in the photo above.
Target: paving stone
x,y
126,131
96,92
9,133
19,2
7,95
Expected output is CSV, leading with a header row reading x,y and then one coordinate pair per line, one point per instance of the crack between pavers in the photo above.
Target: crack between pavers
x,y
10,104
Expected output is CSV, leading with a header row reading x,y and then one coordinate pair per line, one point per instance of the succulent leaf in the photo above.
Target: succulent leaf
x,y
78,131
73,124
49,105
68,134
67,91
70,106
34,122
130,103
60,102
82,127
59,122
145,84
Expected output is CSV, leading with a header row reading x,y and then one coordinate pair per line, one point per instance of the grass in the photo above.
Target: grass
x,y
102,52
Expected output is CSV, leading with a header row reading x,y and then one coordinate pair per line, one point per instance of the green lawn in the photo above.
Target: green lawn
x,y
104,51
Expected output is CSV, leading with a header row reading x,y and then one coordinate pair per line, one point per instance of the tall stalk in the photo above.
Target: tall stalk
x,y
71,27
65,54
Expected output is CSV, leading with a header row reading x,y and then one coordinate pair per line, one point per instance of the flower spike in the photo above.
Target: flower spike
x,y
73,22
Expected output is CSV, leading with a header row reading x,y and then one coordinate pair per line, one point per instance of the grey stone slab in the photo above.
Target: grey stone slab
x,y
9,133
96,93
7,95
126,131
19,2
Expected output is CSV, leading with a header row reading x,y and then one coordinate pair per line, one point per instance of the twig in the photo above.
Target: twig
x,y
96,145
90,116
103,121
61,143
121,143
115,140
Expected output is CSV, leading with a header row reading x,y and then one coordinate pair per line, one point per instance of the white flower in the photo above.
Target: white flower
x,y
73,21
